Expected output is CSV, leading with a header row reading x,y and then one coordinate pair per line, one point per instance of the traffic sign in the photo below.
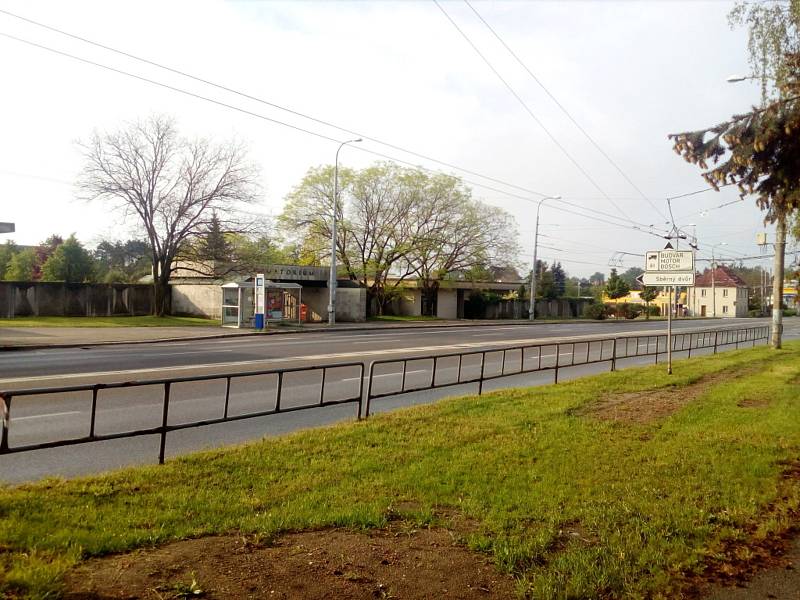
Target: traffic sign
x,y
6,227
670,260
666,278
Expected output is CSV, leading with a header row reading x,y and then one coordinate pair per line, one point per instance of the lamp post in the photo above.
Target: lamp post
x,y
532,311
332,275
713,280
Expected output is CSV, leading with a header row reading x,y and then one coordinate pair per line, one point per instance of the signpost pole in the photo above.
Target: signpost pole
x,y
671,291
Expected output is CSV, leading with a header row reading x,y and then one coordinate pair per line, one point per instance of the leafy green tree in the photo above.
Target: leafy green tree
x,y
400,222
7,251
597,279
559,279
69,262
22,266
121,262
572,287
616,287
630,277
648,294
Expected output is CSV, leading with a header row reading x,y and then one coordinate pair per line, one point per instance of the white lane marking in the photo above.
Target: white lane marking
x,y
46,415
549,342
187,352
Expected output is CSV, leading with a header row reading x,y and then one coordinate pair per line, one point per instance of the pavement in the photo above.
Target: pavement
x,y
21,338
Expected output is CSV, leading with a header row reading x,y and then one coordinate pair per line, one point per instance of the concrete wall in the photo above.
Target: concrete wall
x,y
197,300
410,304
52,299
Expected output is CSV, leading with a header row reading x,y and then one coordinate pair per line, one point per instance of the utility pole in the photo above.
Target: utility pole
x,y
777,282
532,306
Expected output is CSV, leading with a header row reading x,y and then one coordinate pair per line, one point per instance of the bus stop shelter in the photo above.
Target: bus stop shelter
x,y
283,303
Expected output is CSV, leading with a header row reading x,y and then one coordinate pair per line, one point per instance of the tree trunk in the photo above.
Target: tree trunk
x,y
777,282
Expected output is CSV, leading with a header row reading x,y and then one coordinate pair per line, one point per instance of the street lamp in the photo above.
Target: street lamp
x,y
713,279
332,275
532,311
738,78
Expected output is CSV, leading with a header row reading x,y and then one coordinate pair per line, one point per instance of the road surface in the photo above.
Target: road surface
x,y
40,419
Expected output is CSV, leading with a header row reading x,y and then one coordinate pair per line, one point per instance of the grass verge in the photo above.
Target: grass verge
x,y
656,502
108,322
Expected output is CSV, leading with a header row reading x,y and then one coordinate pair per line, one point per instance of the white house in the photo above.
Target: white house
x,y
718,293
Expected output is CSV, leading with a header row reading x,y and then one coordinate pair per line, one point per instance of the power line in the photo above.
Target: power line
x,y
640,227
279,107
564,110
529,111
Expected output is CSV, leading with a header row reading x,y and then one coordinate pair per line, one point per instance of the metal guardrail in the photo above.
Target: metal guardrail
x,y
547,357
165,427
513,361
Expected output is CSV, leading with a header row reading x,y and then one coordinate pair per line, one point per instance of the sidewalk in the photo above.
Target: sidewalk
x,y
32,338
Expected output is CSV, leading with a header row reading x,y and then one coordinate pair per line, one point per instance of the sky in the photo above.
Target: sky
x,y
629,73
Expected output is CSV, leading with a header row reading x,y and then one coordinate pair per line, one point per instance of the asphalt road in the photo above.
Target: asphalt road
x,y
40,419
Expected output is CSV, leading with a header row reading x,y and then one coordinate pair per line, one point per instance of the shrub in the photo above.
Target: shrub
x,y
653,310
631,311
595,310
789,312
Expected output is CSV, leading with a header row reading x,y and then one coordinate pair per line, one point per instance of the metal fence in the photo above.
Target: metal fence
x,y
461,368
167,385
443,370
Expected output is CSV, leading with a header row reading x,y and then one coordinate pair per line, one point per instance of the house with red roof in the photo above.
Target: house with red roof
x,y
718,292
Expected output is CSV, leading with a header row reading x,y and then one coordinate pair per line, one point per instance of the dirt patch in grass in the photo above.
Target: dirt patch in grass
x,y
652,405
745,570
397,562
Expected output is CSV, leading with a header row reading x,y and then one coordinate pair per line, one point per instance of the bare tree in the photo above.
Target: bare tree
x,y
173,185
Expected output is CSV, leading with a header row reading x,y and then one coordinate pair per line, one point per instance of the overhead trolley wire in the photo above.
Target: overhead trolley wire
x,y
640,227
530,112
564,110
282,108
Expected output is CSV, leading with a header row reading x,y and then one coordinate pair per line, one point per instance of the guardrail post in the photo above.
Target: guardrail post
x,y
94,411
278,393
716,336
322,387
614,355
483,367
558,359
369,390
361,390
6,421
227,397
164,417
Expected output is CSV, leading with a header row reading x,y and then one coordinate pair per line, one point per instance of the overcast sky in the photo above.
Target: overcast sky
x,y
628,72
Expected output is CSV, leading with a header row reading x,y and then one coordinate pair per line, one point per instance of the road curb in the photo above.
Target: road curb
x,y
391,327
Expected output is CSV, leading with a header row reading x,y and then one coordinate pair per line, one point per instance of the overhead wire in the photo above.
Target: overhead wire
x,y
564,110
282,108
634,225
531,113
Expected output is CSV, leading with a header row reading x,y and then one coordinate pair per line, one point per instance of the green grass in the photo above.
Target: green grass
x,y
656,501
108,322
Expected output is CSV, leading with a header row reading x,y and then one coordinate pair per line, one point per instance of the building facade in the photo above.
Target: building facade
x,y
718,293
